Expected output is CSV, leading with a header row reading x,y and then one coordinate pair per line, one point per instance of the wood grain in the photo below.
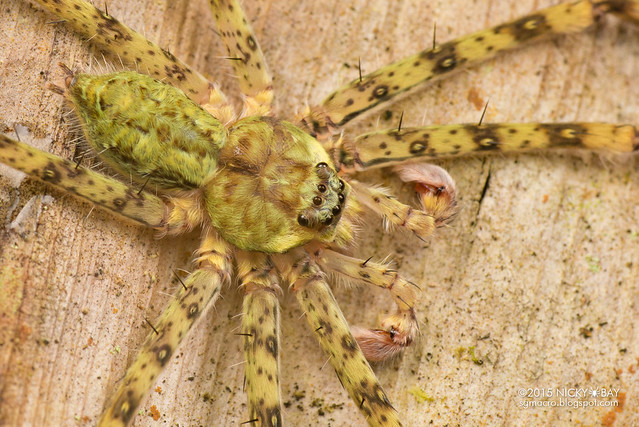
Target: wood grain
x,y
537,278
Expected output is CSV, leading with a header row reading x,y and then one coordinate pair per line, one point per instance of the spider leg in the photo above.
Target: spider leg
x,y
394,212
399,329
108,193
435,188
173,215
392,146
201,288
260,333
382,85
132,49
246,56
335,338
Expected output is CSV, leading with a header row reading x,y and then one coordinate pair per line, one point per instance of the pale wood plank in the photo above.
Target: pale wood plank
x,y
515,276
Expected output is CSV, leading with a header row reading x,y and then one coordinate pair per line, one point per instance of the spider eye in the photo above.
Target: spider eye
x,y
340,197
321,188
302,220
341,185
336,210
317,200
328,220
321,165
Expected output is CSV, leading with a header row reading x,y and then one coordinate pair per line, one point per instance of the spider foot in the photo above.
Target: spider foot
x,y
398,332
435,188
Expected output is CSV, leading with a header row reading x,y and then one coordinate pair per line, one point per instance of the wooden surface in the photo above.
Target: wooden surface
x,y
534,286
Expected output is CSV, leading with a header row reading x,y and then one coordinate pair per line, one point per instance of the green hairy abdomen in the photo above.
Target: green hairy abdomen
x,y
147,130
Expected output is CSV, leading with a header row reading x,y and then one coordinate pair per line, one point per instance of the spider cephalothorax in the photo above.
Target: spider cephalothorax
x,y
274,188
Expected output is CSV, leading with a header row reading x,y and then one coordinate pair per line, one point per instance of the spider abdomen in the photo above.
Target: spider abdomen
x,y
146,129
275,187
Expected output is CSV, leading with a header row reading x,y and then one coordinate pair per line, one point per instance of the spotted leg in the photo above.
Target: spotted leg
x,y
260,333
327,321
108,193
434,186
200,289
169,215
392,146
129,47
245,55
379,87
439,209
399,329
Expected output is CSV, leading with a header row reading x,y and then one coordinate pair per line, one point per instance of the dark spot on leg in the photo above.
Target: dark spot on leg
x,y
349,344
418,147
325,328
565,135
193,310
364,275
529,27
484,137
125,408
51,174
250,41
380,91
445,64
273,417
119,204
271,345
163,354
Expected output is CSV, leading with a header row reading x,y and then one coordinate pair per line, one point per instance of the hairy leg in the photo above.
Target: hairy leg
x,y
397,330
261,337
200,289
335,338
245,55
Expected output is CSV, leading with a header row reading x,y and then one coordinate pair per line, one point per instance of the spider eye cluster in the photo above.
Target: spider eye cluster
x,y
327,202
